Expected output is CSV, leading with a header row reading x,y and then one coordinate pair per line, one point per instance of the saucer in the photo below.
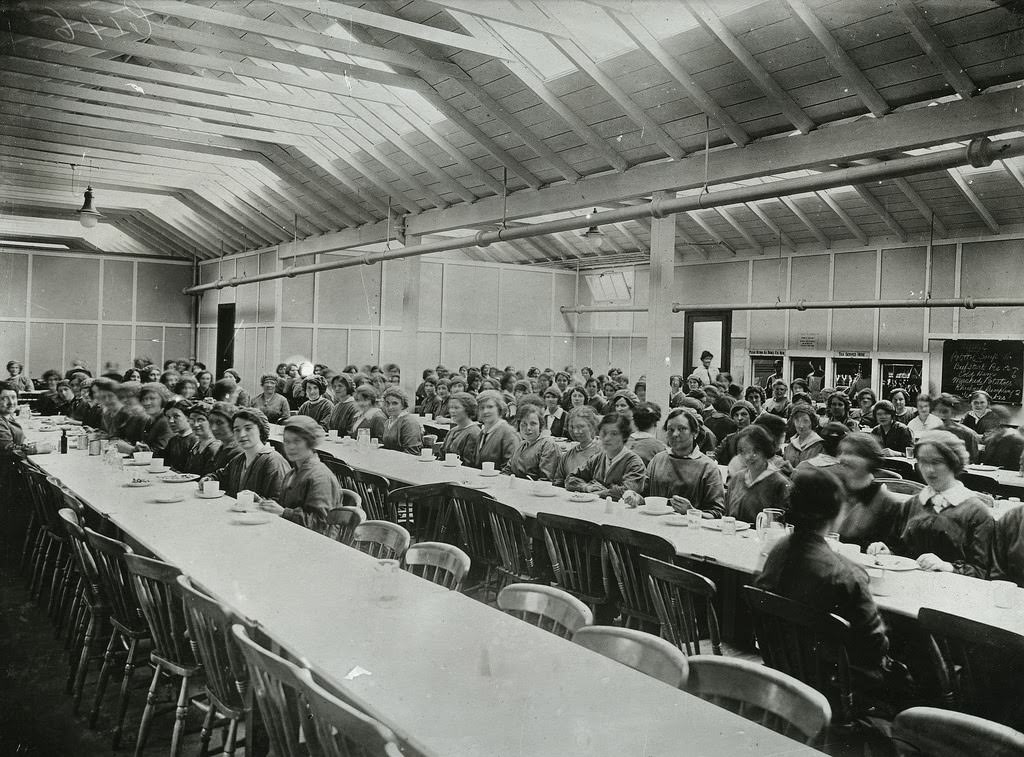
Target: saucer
x,y
678,519
582,497
203,495
489,475
168,499
138,484
649,510
451,465
545,493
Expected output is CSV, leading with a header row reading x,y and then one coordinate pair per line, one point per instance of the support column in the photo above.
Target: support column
x,y
659,313
407,276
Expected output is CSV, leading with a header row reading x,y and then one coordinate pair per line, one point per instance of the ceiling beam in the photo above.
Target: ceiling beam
x,y
979,207
840,211
918,202
1014,170
839,58
805,219
709,230
885,215
780,235
937,52
730,219
713,25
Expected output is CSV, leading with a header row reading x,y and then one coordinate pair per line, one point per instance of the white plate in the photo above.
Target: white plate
x,y
138,484
179,478
648,510
678,519
202,495
168,499
716,525
492,474
983,467
164,469
551,493
889,562
427,459
473,484
582,497
252,519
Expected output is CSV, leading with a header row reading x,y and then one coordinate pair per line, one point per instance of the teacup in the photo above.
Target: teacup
x,y
452,459
245,500
211,487
487,467
143,457
656,503
427,454
156,465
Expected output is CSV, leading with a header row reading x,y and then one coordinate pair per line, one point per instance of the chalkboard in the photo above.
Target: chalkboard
x,y
996,366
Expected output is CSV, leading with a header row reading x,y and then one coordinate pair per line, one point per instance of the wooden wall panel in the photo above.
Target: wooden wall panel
x,y
118,349
14,284
525,301
431,290
903,277
159,293
364,347
178,342
349,296
118,281
81,341
297,296
810,276
296,344
149,344
66,287
991,269
482,349
12,341
854,280
472,304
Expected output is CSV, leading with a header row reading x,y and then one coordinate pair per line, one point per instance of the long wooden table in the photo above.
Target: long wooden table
x,y
906,592
450,675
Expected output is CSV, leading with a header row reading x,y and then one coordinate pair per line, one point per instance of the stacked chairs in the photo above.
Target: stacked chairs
x,y
626,550
681,599
156,587
343,521
426,512
303,718
443,564
128,626
226,680
373,493
641,651
381,539
546,607
576,550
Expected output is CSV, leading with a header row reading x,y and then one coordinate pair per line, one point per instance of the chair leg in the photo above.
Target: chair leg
x,y
30,533
229,742
39,572
180,713
101,683
83,664
147,714
204,735
122,706
59,566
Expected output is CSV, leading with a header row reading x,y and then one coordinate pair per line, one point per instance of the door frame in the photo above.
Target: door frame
x,y
714,316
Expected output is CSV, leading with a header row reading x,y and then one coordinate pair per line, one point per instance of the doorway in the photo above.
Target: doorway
x,y
225,338
711,331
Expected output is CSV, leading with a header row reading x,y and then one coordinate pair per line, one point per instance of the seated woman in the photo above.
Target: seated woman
x,y
535,456
864,412
225,390
979,418
186,388
838,411
923,420
12,437
47,404
443,392
220,416
66,402
554,414
582,425
683,471
1004,445
755,396
369,416
949,528
242,398
269,402
204,385
803,568
88,411
623,401
719,421
463,437
870,512
316,406
402,431
832,433
643,441
16,377
615,469
309,490
945,407
899,401
742,414
497,437
179,446
758,485
1008,548
805,443
153,397
345,408
202,456
575,397
430,401
259,468
779,403
891,434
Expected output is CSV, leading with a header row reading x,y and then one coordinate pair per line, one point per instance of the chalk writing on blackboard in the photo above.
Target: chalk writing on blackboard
x,y
995,366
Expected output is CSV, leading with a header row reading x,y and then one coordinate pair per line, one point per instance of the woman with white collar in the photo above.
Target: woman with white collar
x,y
615,469
554,413
979,418
805,443
758,485
535,456
259,468
683,472
582,425
950,528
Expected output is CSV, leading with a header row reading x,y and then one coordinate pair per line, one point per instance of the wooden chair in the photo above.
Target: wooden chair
x,y
226,679
339,468
625,549
887,474
342,523
806,644
979,667
94,609
381,539
425,511
444,564
340,730
129,627
156,586
546,607
301,717
373,493
515,551
576,550
475,535
901,485
641,651
978,483
931,732
678,594
759,693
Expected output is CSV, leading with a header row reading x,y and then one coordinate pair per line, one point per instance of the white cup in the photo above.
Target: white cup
x,y
374,443
729,525
428,416
656,503
487,467
333,434
451,458
245,499
143,457
211,487
428,454
156,465
1004,593
849,550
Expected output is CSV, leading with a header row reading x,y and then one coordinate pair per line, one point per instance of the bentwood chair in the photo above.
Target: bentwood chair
x,y
931,732
576,550
761,694
301,717
806,644
342,523
426,511
381,539
156,586
901,485
546,607
980,667
626,549
443,564
682,599
373,493
641,651
128,626
226,682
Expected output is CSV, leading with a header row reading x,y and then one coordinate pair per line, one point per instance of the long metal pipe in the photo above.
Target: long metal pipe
x,y
979,153
967,303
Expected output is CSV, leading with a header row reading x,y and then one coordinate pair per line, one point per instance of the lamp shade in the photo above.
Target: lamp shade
x,y
88,215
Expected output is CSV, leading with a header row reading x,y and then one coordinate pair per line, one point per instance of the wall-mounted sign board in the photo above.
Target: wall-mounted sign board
x,y
993,365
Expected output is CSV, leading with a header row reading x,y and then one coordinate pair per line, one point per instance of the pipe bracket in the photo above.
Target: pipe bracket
x,y
979,152
969,303
368,258
657,211
481,239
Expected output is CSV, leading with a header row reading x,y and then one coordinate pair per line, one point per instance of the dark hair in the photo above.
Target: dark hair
x,y
885,406
842,397
105,384
863,444
723,404
697,394
691,419
317,381
222,389
776,426
867,393
754,390
257,417
759,438
270,377
832,433
9,386
341,378
619,422
154,387
894,392
183,405
705,354
815,498
467,400
742,405
646,415
947,400
529,408
47,375
223,409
